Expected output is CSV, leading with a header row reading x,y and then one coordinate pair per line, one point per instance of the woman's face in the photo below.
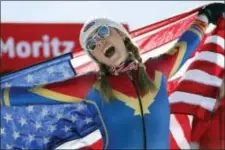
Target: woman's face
x,y
111,50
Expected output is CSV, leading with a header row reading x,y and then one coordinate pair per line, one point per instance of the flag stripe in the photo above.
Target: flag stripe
x,y
184,123
83,142
208,67
197,88
173,143
97,145
190,118
180,72
177,132
213,47
216,58
193,99
199,76
215,39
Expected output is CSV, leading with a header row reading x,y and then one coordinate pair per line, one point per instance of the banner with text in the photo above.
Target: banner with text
x,y
24,44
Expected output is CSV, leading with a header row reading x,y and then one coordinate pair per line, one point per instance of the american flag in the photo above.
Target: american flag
x,y
64,126
156,34
51,71
196,87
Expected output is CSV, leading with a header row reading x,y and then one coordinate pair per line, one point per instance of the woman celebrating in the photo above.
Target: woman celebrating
x,y
136,109
130,95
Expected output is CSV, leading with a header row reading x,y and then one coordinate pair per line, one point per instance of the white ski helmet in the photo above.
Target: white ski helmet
x,y
92,24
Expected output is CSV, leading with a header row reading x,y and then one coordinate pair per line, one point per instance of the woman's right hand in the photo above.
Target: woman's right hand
x,y
213,11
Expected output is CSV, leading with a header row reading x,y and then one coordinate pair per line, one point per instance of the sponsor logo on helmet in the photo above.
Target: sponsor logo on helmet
x,y
88,26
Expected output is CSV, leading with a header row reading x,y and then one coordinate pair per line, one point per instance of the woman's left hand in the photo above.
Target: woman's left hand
x,y
213,11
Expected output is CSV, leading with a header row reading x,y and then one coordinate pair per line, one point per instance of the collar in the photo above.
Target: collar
x,y
123,67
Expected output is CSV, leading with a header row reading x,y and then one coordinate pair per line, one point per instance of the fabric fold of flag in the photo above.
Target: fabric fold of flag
x,y
50,71
49,126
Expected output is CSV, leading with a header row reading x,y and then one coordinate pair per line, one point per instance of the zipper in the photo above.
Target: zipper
x,y
131,77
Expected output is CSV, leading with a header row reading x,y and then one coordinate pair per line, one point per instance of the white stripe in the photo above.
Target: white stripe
x,y
158,51
190,118
216,58
178,134
199,76
162,28
182,70
212,57
216,40
80,60
193,99
83,142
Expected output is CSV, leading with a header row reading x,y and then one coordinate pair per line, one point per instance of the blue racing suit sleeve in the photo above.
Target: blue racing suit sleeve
x,y
170,62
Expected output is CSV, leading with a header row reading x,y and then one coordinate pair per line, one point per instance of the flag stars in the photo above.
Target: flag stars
x,y
74,118
30,109
66,74
9,146
8,85
3,131
81,107
62,66
44,112
67,129
29,78
51,70
43,82
52,128
59,116
45,140
37,125
16,135
8,117
23,148
22,121
88,120
30,138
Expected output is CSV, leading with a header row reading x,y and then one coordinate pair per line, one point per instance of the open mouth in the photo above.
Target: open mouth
x,y
110,51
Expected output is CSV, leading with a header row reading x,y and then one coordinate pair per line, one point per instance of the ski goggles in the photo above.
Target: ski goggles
x,y
101,33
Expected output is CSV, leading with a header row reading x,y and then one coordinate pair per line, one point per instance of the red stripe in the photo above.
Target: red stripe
x,y
97,145
220,30
185,125
212,47
145,41
207,67
188,109
173,143
220,33
197,88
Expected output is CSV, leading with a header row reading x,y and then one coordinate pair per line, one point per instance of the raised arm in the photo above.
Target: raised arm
x,y
170,62
197,90
50,82
189,41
